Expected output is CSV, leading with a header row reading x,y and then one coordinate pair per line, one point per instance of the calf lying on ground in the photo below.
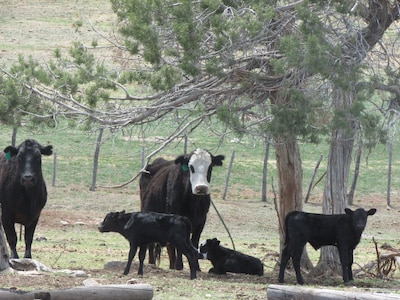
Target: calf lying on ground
x,y
142,228
227,260
343,231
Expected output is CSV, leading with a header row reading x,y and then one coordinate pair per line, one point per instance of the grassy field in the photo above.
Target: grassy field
x,y
69,222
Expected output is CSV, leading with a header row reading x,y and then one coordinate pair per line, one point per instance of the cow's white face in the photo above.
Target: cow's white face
x,y
200,172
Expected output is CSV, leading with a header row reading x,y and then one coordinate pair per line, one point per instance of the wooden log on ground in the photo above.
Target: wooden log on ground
x,y
101,292
286,292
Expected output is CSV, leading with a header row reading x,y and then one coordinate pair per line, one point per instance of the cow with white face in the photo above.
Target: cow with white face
x,y
200,166
182,187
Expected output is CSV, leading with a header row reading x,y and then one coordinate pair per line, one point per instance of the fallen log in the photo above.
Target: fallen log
x,y
286,292
101,292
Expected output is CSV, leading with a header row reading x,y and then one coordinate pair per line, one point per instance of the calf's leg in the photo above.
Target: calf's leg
x,y
191,256
179,260
152,259
142,256
346,266
132,252
171,255
284,261
296,258
351,258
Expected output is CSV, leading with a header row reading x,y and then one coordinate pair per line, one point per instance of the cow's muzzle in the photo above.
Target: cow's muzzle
x,y
28,180
201,190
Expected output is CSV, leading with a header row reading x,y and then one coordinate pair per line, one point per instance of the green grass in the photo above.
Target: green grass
x,y
121,159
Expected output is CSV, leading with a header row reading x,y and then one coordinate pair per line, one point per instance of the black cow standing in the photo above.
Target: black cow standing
x,y
228,260
179,187
142,228
343,231
23,191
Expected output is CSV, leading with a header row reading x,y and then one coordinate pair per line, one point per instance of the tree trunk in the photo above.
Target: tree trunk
x,y
389,182
96,160
350,196
265,171
339,160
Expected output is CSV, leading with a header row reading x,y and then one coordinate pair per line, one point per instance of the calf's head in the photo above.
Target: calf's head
x,y
112,222
28,160
200,164
359,218
207,245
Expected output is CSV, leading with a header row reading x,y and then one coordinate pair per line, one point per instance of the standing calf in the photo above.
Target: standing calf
x,y
142,228
343,231
227,260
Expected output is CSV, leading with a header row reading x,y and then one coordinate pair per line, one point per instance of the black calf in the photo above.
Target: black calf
x,y
142,228
343,231
227,260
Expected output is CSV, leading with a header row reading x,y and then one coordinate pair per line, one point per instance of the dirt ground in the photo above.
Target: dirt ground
x,y
253,225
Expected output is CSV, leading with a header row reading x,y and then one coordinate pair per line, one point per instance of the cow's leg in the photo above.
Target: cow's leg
x,y
29,231
142,256
152,259
132,252
196,238
9,229
171,255
284,261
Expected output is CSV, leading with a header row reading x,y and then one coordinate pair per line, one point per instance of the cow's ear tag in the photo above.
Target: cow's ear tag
x,y
185,167
8,155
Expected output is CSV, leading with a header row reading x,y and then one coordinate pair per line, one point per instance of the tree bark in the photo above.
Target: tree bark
x,y
339,160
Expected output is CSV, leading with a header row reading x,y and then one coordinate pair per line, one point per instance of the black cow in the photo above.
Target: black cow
x,y
23,191
343,231
227,260
180,187
142,228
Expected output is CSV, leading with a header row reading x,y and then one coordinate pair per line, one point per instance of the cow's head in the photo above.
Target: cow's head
x,y
28,160
206,246
200,163
359,217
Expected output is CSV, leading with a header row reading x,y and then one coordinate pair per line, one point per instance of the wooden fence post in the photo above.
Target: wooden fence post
x,y
228,174
53,183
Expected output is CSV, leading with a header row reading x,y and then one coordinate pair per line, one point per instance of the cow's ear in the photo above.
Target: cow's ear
x,y
10,151
217,160
348,211
182,159
47,150
371,212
